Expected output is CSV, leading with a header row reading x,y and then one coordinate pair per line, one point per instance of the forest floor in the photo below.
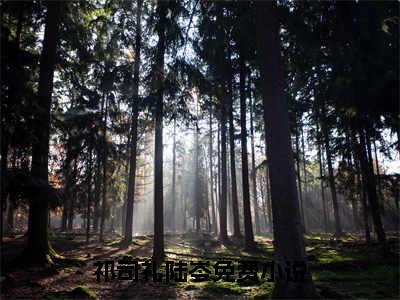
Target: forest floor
x,y
345,268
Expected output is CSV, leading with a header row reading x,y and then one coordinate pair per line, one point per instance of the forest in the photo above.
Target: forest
x,y
200,149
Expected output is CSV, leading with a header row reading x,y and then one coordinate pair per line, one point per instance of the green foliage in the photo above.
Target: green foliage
x,y
83,292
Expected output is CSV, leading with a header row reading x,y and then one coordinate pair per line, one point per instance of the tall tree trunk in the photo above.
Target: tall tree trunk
x,y
223,217
158,245
288,237
68,184
72,197
361,188
299,178
364,203
89,194
248,227
331,176
355,214
126,173
304,175
264,204
370,186
104,164
253,163
218,184
134,130
269,201
353,197
4,111
221,56
378,176
38,248
4,154
10,212
97,192
99,175
229,196
184,205
235,205
321,175
174,179
11,200
197,181
207,204
214,218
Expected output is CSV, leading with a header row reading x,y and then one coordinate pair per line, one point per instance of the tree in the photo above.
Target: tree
x,y
158,246
223,202
38,249
89,194
253,164
289,243
134,129
174,198
214,218
331,177
248,227
235,206
197,190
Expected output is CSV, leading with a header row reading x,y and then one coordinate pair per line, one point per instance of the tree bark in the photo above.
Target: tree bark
x,y
218,183
4,154
104,183
370,186
10,212
235,205
299,177
378,176
248,227
223,217
214,218
361,188
4,112
68,183
134,130
158,245
99,176
264,204
38,248
331,176
288,237
304,175
253,163
97,192
89,194
173,227
268,196
321,175
72,196
197,181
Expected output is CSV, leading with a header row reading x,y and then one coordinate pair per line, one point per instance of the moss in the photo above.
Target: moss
x,y
262,291
54,254
375,274
117,242
223,288
82,292
372,282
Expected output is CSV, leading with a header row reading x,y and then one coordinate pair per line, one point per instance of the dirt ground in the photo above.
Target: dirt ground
x,y
345,268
